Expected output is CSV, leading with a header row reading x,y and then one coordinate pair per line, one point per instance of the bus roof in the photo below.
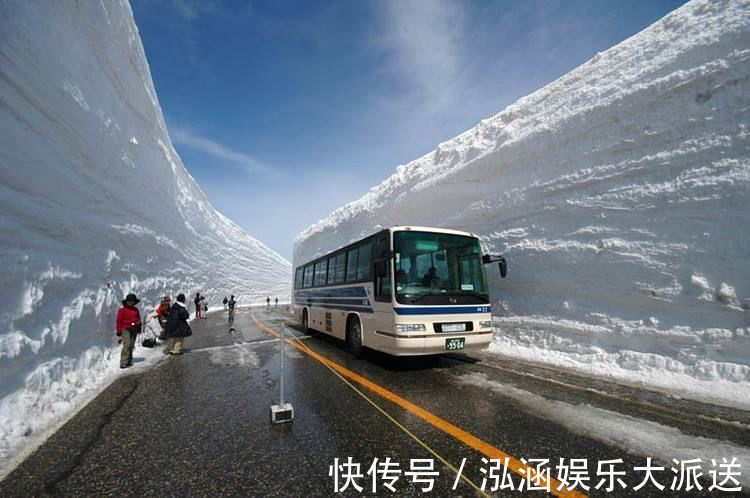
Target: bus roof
x,y
400,228
405,228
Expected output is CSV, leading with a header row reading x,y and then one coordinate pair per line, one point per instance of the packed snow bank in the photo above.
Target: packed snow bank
x,y
650,439
619,194
95,203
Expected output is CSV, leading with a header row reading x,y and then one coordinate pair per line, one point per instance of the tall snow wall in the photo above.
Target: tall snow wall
x,y
94,203
620,194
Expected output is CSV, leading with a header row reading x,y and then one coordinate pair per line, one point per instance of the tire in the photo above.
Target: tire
x,y
354,337
305,322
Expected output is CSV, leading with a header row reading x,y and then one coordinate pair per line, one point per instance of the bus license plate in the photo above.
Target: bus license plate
x,y
454,327
454,344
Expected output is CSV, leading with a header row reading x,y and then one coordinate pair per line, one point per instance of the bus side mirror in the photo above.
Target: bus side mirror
x,y
502,263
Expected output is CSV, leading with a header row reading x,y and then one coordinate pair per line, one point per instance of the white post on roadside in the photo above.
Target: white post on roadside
x,y
281,381
283,412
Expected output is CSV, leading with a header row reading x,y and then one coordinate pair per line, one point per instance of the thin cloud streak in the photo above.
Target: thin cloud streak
x,y
185,137
427,41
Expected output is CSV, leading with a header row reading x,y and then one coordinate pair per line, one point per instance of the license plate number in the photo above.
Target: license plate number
x,y
454,344
454,327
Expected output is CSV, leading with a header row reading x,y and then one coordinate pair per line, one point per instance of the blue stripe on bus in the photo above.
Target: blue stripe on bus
x,y
331,292
446,310
342,308
334,300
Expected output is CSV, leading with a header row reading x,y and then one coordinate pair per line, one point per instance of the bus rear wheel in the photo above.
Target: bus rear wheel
x,y
354,337
305,322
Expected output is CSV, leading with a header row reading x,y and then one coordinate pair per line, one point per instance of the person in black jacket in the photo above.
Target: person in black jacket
x,y
177,326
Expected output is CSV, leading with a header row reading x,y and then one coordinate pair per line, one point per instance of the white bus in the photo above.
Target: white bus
x,y
440,301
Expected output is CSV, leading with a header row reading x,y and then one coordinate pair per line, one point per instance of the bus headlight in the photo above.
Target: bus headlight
x,y
485,324
409,327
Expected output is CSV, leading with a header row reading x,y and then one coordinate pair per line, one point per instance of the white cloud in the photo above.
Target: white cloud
x,y
192,9
187,138
186,9
426,40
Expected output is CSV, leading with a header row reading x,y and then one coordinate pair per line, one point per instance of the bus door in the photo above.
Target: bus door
x,y
382,303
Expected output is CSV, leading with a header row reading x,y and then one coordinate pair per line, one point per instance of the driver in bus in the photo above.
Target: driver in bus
x,y
430,278
401,277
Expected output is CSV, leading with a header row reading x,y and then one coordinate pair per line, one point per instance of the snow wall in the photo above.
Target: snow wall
x,y
620,194
95,203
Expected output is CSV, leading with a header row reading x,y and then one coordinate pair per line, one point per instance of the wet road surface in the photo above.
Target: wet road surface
x,y
198,424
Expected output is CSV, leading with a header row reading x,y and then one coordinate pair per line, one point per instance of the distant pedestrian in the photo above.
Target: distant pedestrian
x,y
231,305
162,313
177,326
276,302
197,302
225,301
205,307
128,328
268,302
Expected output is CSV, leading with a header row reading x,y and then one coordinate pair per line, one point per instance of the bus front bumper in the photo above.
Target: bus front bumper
x,y
404,345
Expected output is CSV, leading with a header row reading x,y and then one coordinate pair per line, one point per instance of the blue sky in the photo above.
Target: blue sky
x,y
285,110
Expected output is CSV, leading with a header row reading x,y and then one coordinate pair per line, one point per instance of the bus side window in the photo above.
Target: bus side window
x,y
298,278
382,269
331,270
363,264
351,265
340,268
383,280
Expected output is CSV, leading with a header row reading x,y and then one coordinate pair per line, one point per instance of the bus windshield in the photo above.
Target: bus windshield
x,y
438,268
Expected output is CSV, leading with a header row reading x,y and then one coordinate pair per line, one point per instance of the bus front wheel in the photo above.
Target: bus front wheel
x,y
354,337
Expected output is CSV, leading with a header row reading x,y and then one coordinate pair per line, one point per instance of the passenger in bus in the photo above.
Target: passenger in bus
x,y
430,278
413,275
401,277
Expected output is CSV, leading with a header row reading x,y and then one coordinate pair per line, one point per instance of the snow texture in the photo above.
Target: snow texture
x,y
619,194
95,203
642,437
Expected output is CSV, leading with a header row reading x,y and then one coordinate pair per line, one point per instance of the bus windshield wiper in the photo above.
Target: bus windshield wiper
x,y
420,297
462,293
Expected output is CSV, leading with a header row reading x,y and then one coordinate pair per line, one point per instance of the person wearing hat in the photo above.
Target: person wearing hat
x,y
128,327
177,325
162,313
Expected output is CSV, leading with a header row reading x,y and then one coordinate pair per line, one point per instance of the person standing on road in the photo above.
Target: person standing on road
x,y
231,304
276,302
162,313
197,302
204,304
225,301
177,326
268,302
128,328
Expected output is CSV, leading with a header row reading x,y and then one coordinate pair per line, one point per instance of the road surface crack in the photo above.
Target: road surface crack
x,y
50,487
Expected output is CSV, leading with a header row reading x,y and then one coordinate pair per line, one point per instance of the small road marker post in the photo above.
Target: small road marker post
x,y
283,412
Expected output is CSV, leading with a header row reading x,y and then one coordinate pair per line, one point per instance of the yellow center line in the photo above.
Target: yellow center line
x,y
483,447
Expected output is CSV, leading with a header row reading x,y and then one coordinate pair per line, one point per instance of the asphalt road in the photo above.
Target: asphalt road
x,y
198,424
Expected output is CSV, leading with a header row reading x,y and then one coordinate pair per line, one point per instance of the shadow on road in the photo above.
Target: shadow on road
x,y
389,362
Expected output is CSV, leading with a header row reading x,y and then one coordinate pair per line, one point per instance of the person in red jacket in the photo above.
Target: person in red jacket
x,y
162,313
128,327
